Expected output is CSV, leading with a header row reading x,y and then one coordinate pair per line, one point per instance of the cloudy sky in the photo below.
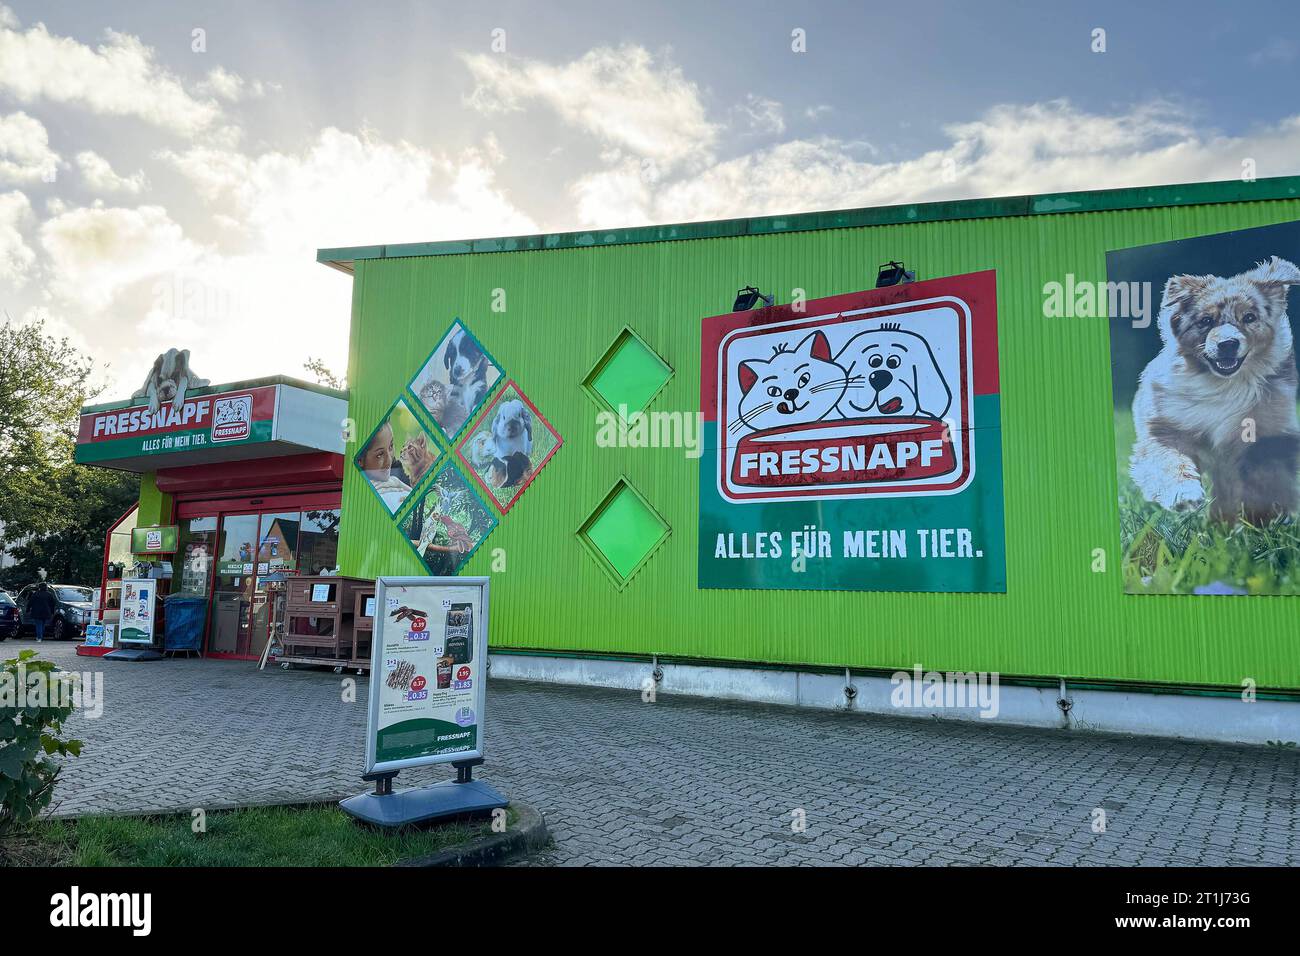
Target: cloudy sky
x,y
167,170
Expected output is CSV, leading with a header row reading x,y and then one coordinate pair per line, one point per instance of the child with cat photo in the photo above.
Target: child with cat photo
x,y
398,456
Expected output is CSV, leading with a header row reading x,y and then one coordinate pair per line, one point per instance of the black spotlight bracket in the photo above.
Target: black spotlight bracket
x,y
749,297
893,273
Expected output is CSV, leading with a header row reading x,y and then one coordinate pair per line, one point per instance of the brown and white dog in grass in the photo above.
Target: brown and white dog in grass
x,y
1219,401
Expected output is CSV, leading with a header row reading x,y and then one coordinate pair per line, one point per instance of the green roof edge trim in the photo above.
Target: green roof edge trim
x,y
227,387
1096,200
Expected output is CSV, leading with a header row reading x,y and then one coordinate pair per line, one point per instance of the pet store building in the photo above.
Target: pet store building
x,y
922,449
240,488
796,502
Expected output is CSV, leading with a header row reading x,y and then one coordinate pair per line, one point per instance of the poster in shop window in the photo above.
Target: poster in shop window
x,y
428,671
854,442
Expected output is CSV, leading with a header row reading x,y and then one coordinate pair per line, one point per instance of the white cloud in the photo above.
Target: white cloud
x,y
261,303
120,77
1010,150
100,177
16,257
351,189
763,115
97,252
621,96
25,154
251,300
225,85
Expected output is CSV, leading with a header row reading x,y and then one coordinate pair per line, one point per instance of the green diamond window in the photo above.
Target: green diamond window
x,y
628,375
623,532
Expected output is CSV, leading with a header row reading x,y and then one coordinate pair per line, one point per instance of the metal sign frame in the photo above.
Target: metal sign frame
x,y
379,673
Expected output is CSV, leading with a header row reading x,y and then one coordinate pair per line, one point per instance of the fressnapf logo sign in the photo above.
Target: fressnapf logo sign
x,y
232,418
871,402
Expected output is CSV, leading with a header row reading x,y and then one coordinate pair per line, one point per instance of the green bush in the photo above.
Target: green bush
x,y
30,735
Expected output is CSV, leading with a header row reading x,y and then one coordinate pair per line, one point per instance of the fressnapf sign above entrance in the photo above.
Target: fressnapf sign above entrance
x,y
222,423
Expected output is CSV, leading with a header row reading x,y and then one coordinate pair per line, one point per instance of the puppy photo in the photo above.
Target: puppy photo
x,y
508,445
464,360
455,380
1215,410
168,381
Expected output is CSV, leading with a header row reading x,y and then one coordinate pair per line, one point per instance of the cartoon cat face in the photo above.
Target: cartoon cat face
x,y
793,387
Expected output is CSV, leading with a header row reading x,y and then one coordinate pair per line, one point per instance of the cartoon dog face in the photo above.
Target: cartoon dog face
x,y
794,386
1229,326
512,429
892,372
464,360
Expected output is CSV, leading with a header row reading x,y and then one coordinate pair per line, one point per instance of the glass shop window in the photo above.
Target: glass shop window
x,y
318,541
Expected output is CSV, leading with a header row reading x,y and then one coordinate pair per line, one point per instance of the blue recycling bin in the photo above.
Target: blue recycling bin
x,y
184,628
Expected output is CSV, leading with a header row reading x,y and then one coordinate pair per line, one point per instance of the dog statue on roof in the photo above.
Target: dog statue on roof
x,y
169,380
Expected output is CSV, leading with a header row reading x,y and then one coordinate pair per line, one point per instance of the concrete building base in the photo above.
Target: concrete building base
x,y
1189,714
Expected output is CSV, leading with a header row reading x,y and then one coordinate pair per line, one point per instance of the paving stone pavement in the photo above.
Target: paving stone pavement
x,y
686,781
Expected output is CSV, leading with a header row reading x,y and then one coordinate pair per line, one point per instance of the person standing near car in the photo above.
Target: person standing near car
x,y
40,609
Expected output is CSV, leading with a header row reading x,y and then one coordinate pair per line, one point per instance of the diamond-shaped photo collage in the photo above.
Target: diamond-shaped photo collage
x,y
425,480
507,447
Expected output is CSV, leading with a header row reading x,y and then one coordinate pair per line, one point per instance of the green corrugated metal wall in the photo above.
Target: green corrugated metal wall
x,y
565,307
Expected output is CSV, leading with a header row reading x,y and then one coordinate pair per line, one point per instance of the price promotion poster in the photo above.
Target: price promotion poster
x,y
428,670
137,611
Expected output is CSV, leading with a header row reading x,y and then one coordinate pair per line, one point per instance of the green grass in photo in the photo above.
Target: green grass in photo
x,y
1168,552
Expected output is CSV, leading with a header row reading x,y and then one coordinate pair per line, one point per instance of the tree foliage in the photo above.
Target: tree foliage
x,y
325,375
55,513
30,735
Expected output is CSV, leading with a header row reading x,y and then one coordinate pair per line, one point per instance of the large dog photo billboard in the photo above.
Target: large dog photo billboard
x,y
1207,440
854,442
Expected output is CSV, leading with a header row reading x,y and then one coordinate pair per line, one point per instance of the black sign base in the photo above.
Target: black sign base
x,y
398,808
133,654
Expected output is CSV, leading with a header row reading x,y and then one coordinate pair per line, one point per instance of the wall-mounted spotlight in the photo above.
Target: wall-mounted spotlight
x,y
749,297
893,273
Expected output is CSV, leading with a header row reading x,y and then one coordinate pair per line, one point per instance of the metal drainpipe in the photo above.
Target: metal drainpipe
x,y
850,692
1065,704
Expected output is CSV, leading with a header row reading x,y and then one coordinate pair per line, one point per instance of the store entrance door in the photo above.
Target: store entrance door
x,y
276,560
230,630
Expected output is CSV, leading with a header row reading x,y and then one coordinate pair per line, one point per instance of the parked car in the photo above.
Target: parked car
x,y
72,608
8,616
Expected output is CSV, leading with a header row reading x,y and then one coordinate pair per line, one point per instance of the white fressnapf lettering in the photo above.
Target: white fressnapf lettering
x,y
135,420
839,458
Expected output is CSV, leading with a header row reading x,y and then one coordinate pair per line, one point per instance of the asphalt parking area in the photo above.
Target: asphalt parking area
x,y
691,781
